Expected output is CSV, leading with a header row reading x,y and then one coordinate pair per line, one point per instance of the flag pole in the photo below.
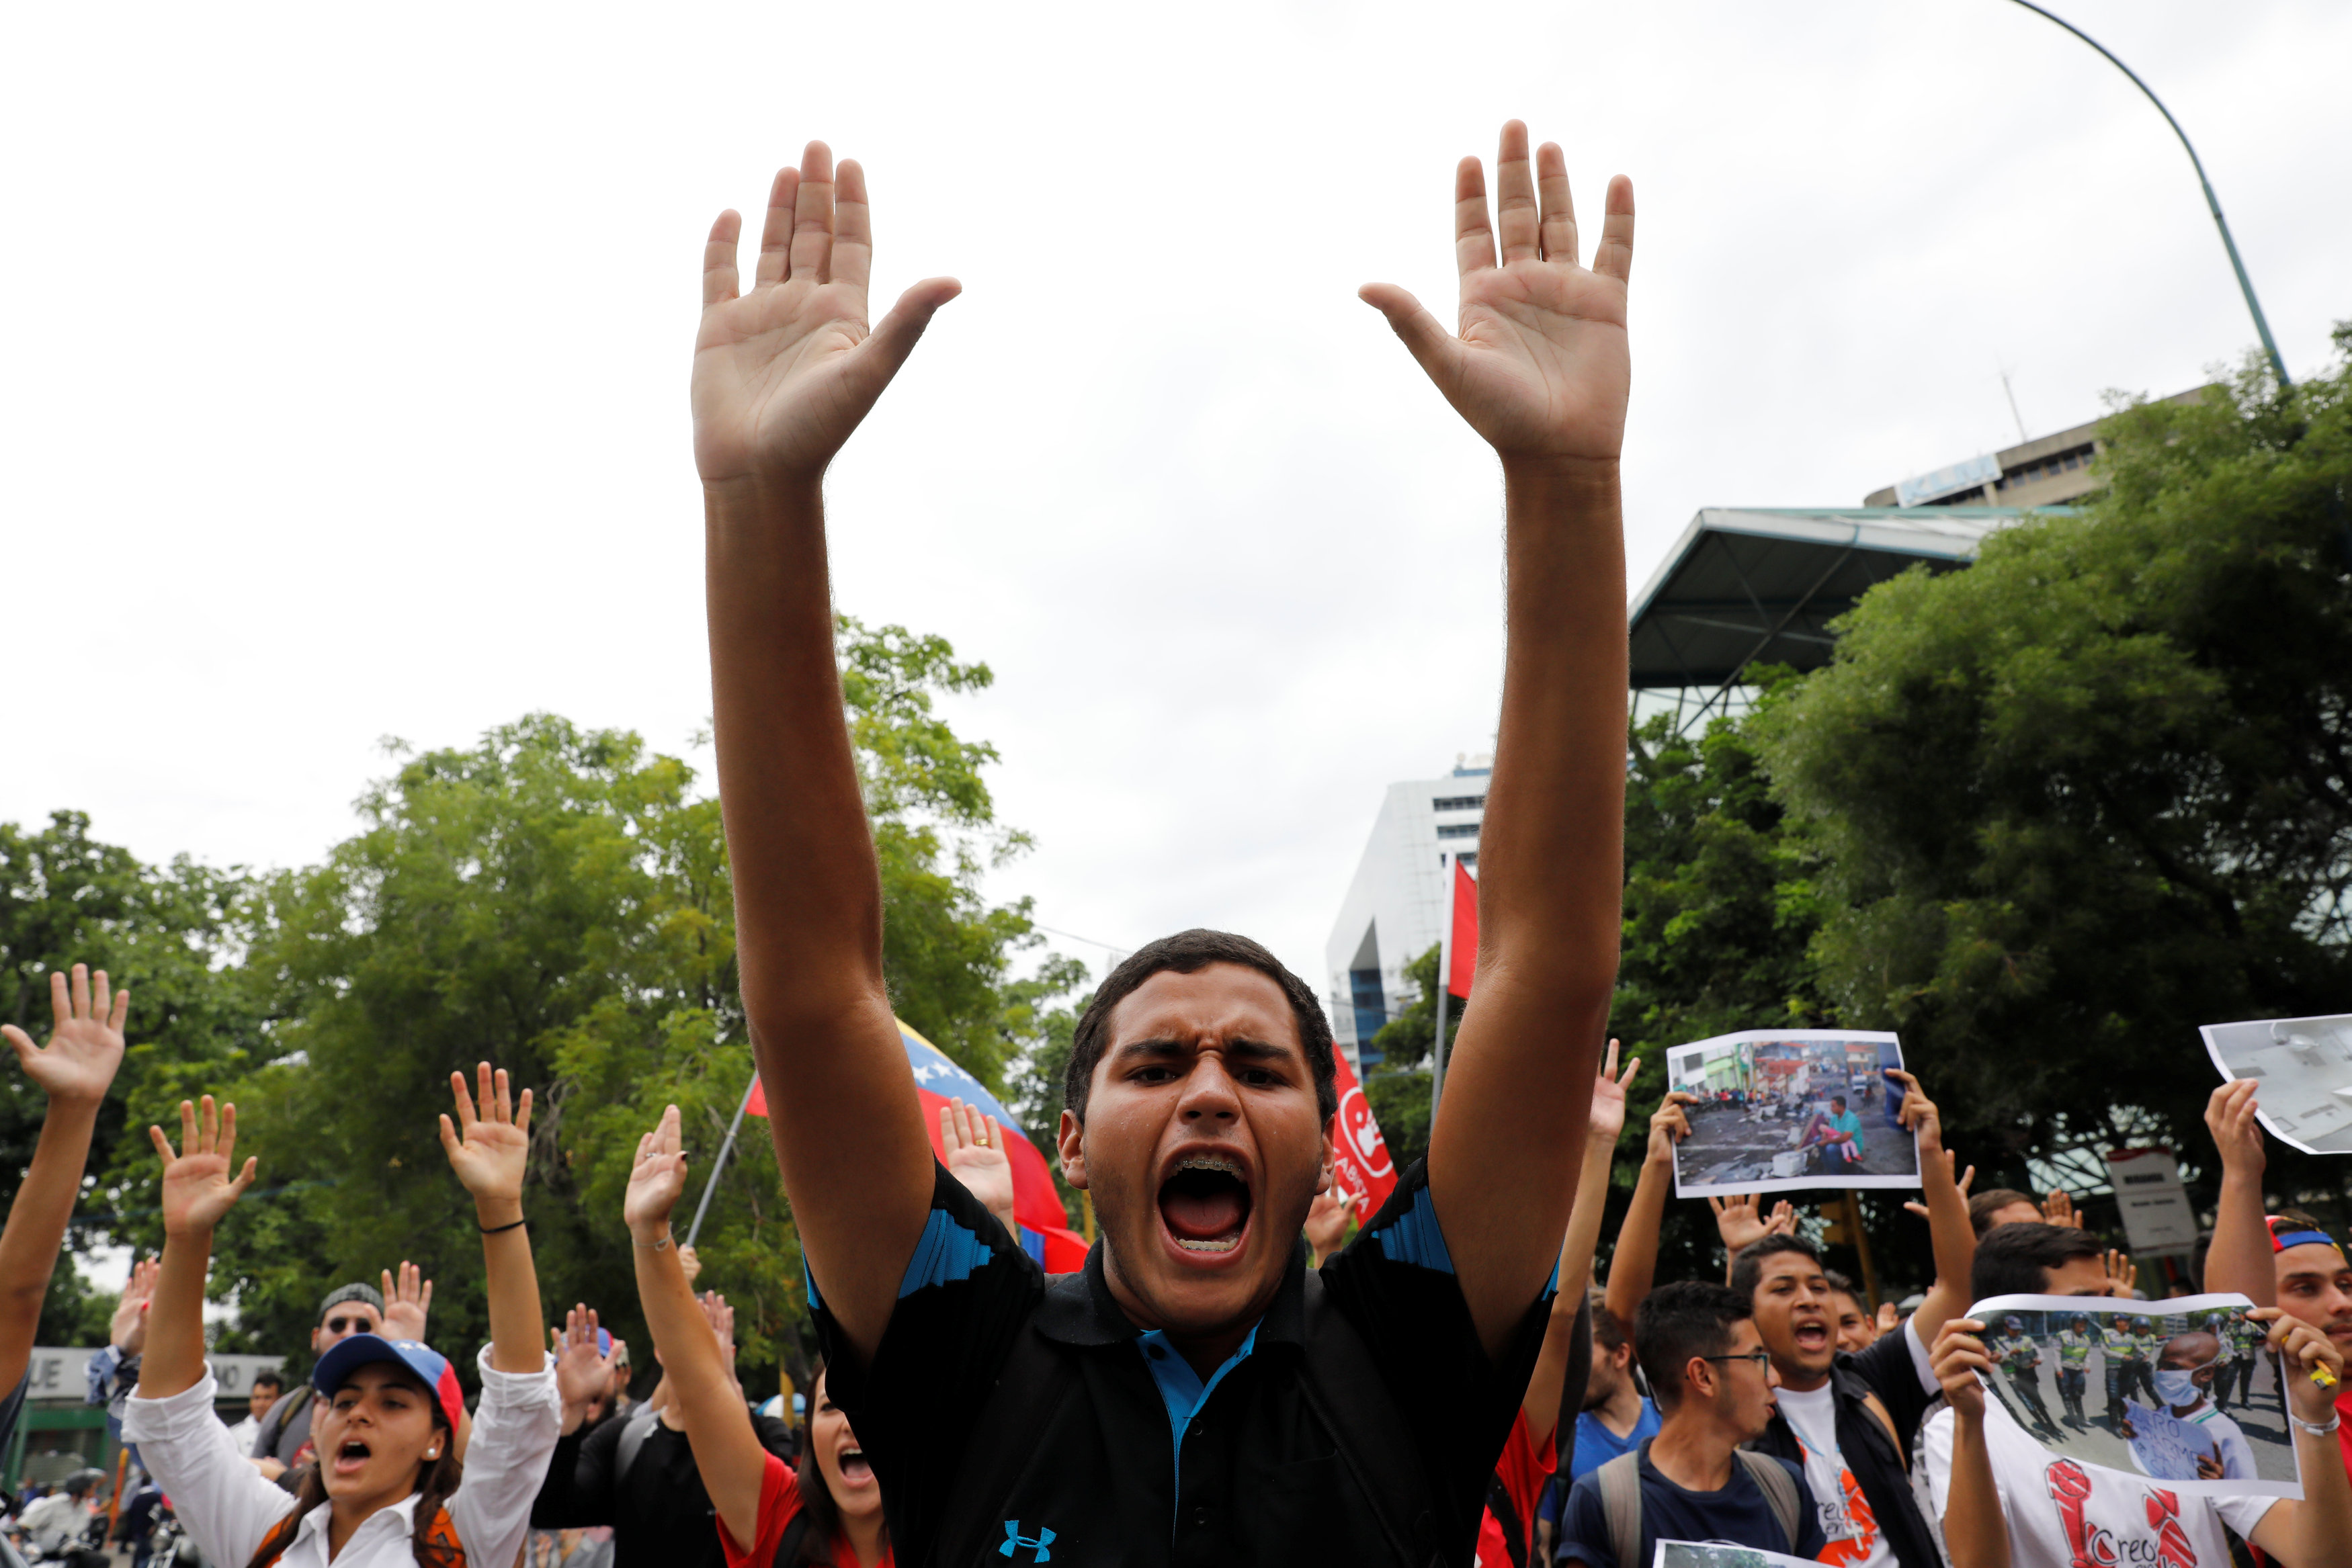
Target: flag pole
x,y
1445,970
720,1163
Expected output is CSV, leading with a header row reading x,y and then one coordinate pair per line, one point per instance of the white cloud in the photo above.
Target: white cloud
x,y
346,359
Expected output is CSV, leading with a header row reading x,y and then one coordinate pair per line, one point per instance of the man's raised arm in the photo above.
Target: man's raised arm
x,y
782,373
1540,370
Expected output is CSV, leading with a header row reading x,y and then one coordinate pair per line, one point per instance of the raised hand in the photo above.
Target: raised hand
x,y
583,1374
721,1316
1327,1221
1541,368
86,1042
488,1151
1890,1317
1964,1181
782,374
197,1186
976,1157
655,1183
1960,1363
2058,1208
1607,1119
691,1261
2123,1274
407,1299
1738,1222
1669,1127
2230,1117
1918,1114
2305,1349
1783,1221
128,1331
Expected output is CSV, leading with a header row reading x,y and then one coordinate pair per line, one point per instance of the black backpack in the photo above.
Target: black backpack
x,y
1343,1387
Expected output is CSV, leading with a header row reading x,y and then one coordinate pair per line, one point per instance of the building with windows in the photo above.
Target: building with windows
x,y
1747,586
1395,907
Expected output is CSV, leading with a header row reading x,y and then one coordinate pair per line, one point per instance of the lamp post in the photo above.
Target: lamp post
x,y
2212,203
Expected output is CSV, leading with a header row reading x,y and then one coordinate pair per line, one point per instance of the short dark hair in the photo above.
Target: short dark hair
x,y
1187,953
1608,1328
1748,1269
262,1380
2018,1260
1983,1206
1677,1321
1841,1284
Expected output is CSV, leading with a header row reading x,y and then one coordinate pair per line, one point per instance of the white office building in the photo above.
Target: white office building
x,y
1395,907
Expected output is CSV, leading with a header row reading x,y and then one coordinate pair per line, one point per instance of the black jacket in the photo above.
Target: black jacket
x,y
1877,1459
661,1516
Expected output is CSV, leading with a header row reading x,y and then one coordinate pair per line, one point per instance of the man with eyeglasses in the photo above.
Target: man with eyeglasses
x,y
282,1445
1714,1381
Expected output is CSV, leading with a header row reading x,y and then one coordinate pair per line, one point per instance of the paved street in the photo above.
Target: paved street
x,y
2096,1443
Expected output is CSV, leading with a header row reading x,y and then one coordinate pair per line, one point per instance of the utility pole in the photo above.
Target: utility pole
x,y
2213,203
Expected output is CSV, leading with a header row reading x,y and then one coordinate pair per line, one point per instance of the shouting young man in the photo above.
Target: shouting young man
x,y
1194,1394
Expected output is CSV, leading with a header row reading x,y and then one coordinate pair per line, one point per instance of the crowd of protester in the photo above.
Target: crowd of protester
x,y
1245,1370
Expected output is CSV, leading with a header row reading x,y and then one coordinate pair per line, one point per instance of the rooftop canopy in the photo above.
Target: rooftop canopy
x,y
1759,585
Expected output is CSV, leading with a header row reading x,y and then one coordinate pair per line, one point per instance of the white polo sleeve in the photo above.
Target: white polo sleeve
x,y
226,1505
515,1429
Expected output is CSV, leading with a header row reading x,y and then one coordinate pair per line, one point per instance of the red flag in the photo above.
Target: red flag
x,y
1462,958
1363,1166
757,1104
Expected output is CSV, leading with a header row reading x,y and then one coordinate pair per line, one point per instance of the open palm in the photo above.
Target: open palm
x,y
782,374
1540,365
489,1151
657,1180
201,1181
86,1045
1607,1117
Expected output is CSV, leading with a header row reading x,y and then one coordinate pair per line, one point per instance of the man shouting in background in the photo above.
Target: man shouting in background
x,y
1196,1394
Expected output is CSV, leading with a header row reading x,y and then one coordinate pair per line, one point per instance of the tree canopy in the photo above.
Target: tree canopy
x,y
2096,790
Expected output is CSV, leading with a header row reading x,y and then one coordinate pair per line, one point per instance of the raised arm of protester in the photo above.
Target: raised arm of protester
x,y
2241,1257
489,1151
756,1496
782,373
1540,370
1949,1233
407,1301
976,1157
73,1072
1634,1264
1605,1120
1975,1529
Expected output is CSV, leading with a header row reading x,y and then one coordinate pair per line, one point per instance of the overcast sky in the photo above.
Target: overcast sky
x,y
345,360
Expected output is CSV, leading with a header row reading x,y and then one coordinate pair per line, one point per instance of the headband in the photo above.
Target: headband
x,y
2280,1240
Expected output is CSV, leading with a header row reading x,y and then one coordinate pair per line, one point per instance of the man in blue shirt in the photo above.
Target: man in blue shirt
x,y
1714,1380
1616,1418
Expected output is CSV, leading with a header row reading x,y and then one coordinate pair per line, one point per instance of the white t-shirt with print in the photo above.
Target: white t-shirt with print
x,y
1855,1539
2062,1513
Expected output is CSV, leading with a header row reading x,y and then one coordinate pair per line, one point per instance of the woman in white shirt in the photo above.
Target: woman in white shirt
x,y
388,1488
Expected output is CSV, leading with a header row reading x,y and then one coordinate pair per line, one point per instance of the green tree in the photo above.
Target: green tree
x,y
170,933
557,901
2096,790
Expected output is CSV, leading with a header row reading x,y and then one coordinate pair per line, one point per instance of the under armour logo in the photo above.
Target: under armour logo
x,y
1037,1546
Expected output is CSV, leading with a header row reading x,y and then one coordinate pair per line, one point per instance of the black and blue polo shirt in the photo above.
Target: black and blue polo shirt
x,y
1137,1458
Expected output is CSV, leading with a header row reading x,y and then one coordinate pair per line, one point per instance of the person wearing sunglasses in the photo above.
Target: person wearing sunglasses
x,y
1714,1381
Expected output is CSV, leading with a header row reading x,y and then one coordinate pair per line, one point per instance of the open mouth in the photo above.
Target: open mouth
x,y
855,1467
351,1456
1205,1205
1811,1337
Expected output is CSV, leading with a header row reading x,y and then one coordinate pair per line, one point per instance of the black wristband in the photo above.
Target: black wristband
x,y
494,1230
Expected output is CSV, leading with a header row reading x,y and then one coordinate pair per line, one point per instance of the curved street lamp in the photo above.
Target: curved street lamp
x,y
2212,204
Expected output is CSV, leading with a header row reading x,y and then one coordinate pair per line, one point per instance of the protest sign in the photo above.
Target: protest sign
x,y
2305,1068
2156,1213
1779,1110
2167,1448
2179,1391
1716,1554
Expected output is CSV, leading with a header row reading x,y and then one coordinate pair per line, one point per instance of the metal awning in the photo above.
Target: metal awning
x,y
1750,585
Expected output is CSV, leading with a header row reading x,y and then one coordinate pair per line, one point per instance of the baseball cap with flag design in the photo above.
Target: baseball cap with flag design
x,y
429,1365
